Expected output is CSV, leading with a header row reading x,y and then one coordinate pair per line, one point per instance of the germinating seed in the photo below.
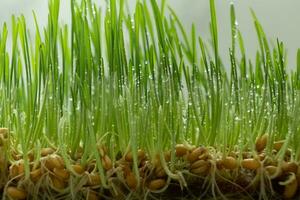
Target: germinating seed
x,y
16,193
157,184
201,168
4,132
290,186
102,150
272,171
167,156
106,161
57,183
131,180
62,174
289,167
250,163
35,174
229,163
261,142
196,153
47,151
78,169
91,195
198,163
16,169
94,179
180,150
54,161
160,172
117,80
278,144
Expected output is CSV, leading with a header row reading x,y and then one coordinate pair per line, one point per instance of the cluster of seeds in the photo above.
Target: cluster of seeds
x,y
50,174
99,107
242,172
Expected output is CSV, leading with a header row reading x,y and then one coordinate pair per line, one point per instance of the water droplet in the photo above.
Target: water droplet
x,y
237,118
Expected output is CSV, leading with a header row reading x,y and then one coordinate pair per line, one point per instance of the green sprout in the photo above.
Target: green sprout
x,y
129,105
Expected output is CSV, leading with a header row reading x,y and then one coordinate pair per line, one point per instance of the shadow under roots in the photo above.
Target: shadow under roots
x,y
197,191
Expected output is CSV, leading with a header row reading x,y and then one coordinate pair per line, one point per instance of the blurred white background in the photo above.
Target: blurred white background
x,y
280,19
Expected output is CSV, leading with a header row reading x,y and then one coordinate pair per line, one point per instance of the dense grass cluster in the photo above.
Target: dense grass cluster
x,y
131,98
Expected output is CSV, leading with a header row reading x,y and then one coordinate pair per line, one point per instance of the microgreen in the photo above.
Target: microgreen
x,y
131,81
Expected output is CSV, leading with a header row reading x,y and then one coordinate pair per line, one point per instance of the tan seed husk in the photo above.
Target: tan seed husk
x,y
21,168
36,174
57,183
194,155
262,156
91,195
167,155
160,172
261,143
140,155
180,150
290,190
106,161
229,163
129,157
202,169
290,186
289,167
47,151
78,168
16,169
198,163
4,132
2,140
94,179
205,156
62,174
157,184
250,163
272,170
102,150
30,156
126,170
54,161
16,193
131,181
13,171
278,144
